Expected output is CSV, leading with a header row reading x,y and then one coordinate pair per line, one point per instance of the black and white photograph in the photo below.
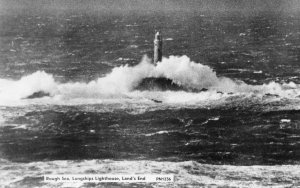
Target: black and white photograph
x,y
149,93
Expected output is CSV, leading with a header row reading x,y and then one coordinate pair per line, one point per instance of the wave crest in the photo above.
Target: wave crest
x,y
177,72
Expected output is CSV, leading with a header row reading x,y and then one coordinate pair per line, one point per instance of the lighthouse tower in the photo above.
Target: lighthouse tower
x,y
157,48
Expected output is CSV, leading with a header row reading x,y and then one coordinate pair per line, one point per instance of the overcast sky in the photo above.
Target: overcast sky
x,y
161,5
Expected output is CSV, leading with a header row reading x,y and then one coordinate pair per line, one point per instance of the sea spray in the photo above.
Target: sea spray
x,y
121,82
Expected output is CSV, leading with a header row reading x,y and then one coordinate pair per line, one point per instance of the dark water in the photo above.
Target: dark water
x,y
206,136
73,46
257,123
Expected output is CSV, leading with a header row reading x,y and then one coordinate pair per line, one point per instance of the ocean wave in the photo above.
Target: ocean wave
x,y
187,173
193,82
159,132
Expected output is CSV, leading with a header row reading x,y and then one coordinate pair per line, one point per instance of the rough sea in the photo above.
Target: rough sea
x,y
79,94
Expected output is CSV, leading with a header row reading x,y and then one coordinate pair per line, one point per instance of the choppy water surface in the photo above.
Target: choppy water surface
x,y
222,108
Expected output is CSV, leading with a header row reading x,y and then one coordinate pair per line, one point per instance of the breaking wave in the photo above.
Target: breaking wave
x,y
175,79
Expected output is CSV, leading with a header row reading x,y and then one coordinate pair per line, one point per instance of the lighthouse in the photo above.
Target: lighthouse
x,y
157,48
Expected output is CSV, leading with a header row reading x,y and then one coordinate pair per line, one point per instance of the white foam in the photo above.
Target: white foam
x,y
187,173
22,126
285,120
211,119
118,86
214,118
159,132
258,72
